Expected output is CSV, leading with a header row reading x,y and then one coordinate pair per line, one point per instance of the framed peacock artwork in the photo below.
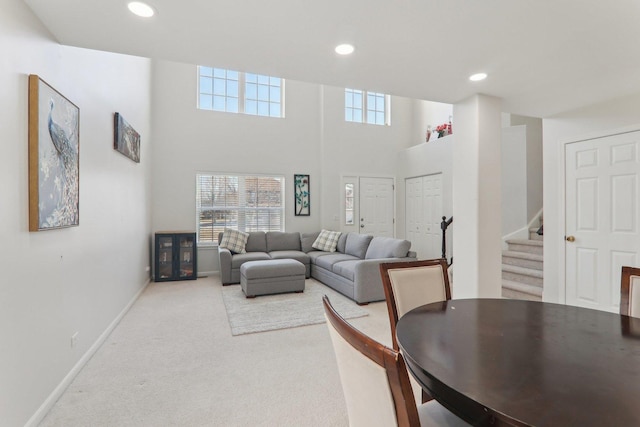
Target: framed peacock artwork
x,y
54,170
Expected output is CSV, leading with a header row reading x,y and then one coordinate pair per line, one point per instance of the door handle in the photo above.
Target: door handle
x,y
571,239
361,225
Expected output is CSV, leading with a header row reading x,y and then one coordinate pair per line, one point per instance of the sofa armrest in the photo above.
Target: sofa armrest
x,y
224,258
367,281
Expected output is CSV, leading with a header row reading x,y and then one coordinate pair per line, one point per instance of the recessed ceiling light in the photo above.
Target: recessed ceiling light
x,y
141,9
477,77
344,49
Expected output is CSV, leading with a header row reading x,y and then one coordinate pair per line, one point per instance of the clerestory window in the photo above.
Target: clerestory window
x,y
236,92
366,107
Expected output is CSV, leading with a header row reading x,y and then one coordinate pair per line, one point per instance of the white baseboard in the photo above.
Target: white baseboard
x,y
66,381
208,273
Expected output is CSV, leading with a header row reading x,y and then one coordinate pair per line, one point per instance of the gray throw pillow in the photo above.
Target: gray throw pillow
x,y
342,243
387,247
306,241
357,244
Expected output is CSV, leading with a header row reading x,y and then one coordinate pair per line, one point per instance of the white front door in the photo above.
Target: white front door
x,y
376,206
602,218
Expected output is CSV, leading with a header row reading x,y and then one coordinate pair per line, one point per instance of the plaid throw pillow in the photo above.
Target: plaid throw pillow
x,y
327,241
234,240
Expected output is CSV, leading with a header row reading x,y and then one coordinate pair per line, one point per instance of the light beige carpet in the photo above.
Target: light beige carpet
x,y
172,361
281,311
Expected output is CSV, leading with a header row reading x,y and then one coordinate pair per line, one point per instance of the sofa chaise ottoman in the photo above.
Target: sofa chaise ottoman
x,y
274,276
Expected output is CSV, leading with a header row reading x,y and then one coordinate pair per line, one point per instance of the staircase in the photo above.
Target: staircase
x,y
522,268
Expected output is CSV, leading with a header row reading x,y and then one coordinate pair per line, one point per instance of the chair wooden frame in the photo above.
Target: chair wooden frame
x,y
387,358
625,288
388,289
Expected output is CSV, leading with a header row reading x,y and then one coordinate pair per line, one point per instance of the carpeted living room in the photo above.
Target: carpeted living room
x,y
173,360
422,98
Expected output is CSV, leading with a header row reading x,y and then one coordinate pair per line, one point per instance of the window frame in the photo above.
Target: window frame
x,y
242,207
242,100
365,108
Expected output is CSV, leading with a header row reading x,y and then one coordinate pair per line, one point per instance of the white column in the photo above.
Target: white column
x,y
477,218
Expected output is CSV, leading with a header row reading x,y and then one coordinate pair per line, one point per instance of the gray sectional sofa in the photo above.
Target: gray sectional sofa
x,y
351,270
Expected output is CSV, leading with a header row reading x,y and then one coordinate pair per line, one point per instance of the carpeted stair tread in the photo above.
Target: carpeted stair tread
x,y
522,270
522,288
525,242
523,255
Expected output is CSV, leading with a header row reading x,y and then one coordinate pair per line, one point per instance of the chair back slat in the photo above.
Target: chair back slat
x,y
374,378
408,285
630,292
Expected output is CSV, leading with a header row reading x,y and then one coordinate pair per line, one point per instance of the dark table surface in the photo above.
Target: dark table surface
x,y
524,363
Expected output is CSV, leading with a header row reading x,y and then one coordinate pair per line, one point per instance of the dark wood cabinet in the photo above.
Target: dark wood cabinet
x,y
175,256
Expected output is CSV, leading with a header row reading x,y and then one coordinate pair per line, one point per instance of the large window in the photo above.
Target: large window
x,y
366,107
243,202
236,92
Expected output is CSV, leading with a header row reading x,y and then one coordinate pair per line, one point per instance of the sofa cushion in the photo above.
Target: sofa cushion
x,y
328,261
342,242
327,241
357,244
387,247
280,241
234,240
297,255
256,242
346,269
314,255
239,259
306,241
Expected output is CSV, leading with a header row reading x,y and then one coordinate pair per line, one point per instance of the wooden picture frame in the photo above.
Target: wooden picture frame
x,y
302,195
125,138
54,160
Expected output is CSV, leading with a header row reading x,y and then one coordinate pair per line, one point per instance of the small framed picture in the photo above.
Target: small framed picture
x,y
126,139
302,195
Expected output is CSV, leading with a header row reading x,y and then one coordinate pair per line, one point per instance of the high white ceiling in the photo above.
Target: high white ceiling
x,y
542,56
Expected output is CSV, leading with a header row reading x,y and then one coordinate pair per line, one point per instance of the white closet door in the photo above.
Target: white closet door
x,y
602,218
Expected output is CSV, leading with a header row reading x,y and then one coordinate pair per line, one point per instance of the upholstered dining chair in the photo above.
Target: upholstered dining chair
x,y
630,292
408,285
376,383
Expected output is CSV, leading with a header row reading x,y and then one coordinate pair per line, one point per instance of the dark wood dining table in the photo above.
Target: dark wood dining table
x,y
502,362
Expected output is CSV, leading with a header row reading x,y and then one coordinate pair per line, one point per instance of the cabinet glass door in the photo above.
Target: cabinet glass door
x,y
186,256
165,257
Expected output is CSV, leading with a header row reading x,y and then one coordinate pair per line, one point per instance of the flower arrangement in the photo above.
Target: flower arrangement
x,y
444,129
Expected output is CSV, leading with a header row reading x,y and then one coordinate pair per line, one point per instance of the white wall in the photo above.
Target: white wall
x,y
514,179
534,162
600,119
477,197
188,140
429,113
312,139
56,283
357,149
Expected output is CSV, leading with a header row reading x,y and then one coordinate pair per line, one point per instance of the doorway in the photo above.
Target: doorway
x,y
601,217
423,207
377,206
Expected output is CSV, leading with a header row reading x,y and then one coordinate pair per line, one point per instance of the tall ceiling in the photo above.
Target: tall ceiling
x,y
542,56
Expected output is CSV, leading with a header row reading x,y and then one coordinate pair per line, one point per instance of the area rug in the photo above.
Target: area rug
x,y
282,311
